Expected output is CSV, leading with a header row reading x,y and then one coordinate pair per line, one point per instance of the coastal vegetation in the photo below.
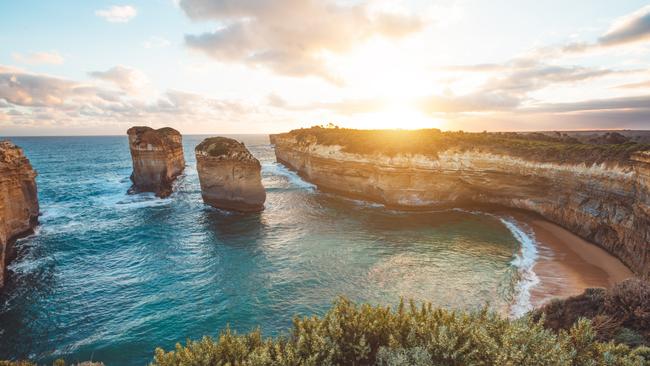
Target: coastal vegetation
x,y
620,314
543,147
408,335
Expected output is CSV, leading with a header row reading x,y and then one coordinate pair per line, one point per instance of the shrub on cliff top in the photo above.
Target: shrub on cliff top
x,y
409,335
533,146
621,313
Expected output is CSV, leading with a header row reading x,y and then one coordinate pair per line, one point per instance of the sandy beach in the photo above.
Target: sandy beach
x,y
568,264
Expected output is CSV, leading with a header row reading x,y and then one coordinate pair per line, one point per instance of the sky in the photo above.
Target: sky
x,y
263,66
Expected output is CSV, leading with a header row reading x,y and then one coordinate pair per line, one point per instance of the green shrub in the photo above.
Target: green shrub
x,y
367,335
430,142
621,314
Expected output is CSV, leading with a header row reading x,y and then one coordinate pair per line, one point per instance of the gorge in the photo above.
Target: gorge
x,y
18,200
598,191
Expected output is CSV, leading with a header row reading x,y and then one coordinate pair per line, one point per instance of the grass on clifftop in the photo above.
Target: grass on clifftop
x,y
409,335
560,148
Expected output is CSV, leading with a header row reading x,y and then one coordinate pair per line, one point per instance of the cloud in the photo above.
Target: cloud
x,y
128,79
508,85
639,85
118,14
39,58
31,99
32,90
290,37
630,28
628,103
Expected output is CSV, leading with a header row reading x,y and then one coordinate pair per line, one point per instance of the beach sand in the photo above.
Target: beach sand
x,y
568,264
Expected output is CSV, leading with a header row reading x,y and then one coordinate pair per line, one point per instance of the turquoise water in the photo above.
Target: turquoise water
x,y
110,276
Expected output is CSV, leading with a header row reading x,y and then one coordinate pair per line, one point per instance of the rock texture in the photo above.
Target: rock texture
x,y
607,204
157,159
230,175
18,200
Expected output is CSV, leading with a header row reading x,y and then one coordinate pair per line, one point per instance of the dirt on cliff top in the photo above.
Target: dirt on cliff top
x,y
166,136
553,147
225,148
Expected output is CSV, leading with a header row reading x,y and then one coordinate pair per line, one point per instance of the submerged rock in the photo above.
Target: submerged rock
x,y
230,175
157,159
18,200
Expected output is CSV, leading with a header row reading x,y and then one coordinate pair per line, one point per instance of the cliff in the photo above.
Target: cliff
x,y
18,200
599,192
157,159
230,175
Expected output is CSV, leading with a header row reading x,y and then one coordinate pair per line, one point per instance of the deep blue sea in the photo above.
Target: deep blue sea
x,y
110,276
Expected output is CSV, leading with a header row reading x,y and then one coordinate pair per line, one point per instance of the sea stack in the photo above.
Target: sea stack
x,y
230,175
18,200
157,159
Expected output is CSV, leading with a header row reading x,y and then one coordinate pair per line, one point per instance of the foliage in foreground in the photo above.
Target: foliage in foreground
x,y
409,335
621,314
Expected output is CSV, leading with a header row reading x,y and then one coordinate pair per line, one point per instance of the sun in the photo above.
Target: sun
x,y
395,116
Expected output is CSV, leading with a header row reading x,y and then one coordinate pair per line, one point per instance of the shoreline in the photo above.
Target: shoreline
x,y
566,263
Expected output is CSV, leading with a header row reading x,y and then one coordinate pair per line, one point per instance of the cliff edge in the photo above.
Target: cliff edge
x,y
598,191
230,175
18,200
157,159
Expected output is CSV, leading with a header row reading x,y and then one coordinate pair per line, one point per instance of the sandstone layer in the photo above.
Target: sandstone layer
x,y
230,175
18,201
606,203
157,159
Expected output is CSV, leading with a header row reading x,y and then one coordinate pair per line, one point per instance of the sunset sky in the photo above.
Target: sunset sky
x,y
259,66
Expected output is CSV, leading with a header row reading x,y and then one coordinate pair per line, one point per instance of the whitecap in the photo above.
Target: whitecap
x,y
277,169
525,262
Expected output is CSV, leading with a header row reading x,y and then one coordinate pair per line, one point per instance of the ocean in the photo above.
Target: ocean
x,y
109,276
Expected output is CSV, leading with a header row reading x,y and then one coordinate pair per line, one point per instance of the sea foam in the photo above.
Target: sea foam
x,y
277,169
524,261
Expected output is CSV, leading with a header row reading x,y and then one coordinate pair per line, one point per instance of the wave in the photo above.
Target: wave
x,y
277,169
524,261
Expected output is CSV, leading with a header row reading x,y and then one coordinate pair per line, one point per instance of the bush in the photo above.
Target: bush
x,y
621,314
430,142
365,335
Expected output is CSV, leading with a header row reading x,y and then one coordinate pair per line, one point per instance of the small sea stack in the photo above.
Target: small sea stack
x,y
157,159
230,175
18,201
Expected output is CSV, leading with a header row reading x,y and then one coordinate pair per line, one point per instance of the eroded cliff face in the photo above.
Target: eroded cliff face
x,y
606,204
230,175
18,200
157,159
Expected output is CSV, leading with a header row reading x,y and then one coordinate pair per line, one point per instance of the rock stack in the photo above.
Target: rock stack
x,y
230,175
18,200
157,159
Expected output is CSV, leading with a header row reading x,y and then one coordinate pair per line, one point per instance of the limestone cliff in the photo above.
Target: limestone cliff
x,y
18,200
606,201
157,159
230,175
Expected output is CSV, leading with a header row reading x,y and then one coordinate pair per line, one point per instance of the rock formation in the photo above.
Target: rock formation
x,y
18,200
157,159
230,175
607,203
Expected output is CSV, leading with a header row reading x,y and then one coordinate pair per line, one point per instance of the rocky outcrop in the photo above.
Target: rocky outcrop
x,y
18,200
607,204
230,175
157,159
